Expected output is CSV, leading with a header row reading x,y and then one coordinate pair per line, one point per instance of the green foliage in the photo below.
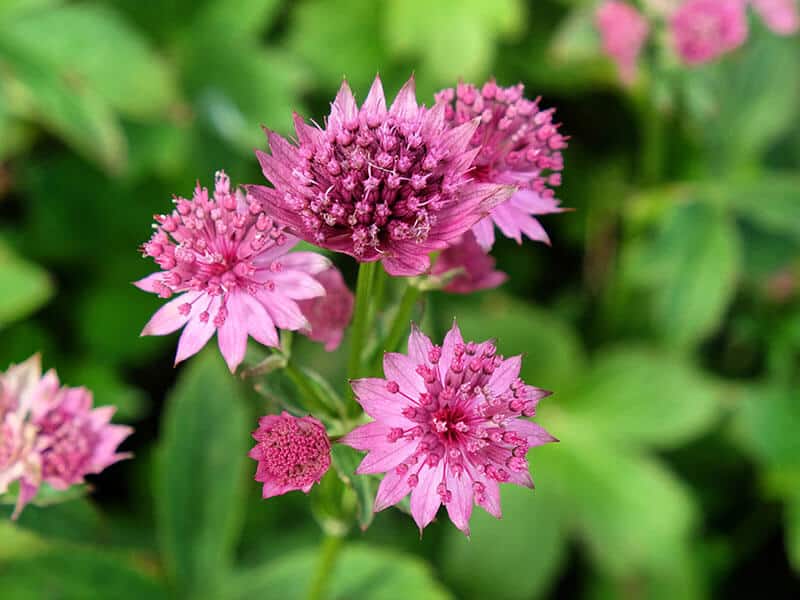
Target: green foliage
x,y
199,477
24,287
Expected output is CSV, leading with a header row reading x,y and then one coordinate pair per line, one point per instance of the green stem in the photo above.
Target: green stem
x,y
401,319
366,277
331,546
312,403
651,124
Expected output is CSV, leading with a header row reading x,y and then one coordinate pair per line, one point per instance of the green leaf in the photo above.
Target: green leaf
x,y
772,201
361,573
249,18
793,530
640,396
91,47
431,30
766,425
74,574
345,461
692,268
203,456
13,8
24,287
529,541
349,45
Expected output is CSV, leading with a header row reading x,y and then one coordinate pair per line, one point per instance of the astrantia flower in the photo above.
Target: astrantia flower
x,y
377,184
225,262
448,427
624,31
55,435
329,315
292,453
703,30
518,145
478,272
781,16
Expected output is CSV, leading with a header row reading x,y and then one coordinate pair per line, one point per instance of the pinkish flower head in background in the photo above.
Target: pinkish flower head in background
x,y
477,267
329,315
225,270
448,427
377,184
703,30
51,434
624,31
518,144
292,453
781,16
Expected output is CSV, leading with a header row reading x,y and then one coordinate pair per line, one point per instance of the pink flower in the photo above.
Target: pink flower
x,y
781,16
518,145
703,30
378,184
292,453
477,266
448,427
51,434
329,315
624,31
225,261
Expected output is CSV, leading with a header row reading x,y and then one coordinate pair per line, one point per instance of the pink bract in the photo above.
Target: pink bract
x,y
703,30
624,31
518,144
292,453
478,272
329,315
51,434
448,427
226,270
378,184
781,16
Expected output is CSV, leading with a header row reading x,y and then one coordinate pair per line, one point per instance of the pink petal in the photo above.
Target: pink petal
x,y
484,233
451,340
232,336
459,508
425,500
405,103
534,230
308,262
283,311
419,346
259,322
366,436
146,283
507,219
386,457
535,434
196,334
405,264
393,488
344,108
400,368
375,103
506,374
168,318
379,403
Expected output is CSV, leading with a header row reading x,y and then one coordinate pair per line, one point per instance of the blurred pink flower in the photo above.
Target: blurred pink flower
x,y
292,453
448,427
624,31
703,30
329,315
477,266
781,16
518,145
51,434
227,261
377,184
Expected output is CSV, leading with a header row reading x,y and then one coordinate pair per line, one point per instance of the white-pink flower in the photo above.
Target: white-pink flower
x,y
781,16
448,427
226,270
624,31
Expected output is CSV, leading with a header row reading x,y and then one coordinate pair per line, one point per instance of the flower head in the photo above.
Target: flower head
x,y
703,30
329,315
378,184
477,267
518,144
781,16
51,434
292,453
448,427
225,262
624,31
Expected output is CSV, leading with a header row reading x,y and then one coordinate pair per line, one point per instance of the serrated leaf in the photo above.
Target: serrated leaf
x,y
640,396
24,287
360,573
199,477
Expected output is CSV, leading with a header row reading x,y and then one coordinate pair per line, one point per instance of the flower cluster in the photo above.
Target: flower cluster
x,y
393,184
449,427
50,433
700,31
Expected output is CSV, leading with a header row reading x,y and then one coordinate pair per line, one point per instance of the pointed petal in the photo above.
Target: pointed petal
x,y
405,264
533,229
168,318
457,139
398,367
232,336
459,508
386,457
535,434
195,335
425,500
405,103
259,321
506,374
307,262
283,311
344,108
419,346
451,340
484,233
146,283
379,403
295,284
366,436
393,488
375,103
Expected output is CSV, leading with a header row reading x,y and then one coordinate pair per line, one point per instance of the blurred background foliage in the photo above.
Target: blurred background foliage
x,y
666,316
